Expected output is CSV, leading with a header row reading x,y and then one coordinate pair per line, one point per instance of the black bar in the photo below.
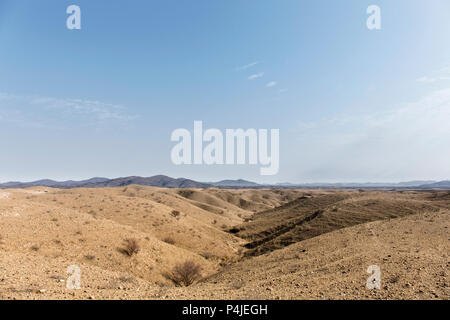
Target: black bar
x,y
233,309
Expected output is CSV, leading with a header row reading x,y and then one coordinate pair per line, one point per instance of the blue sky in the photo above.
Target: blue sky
x,y
351,104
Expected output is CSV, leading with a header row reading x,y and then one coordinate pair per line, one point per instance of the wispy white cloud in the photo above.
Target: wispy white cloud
x,y
445,70
256,76
408,141
96,109
32,111
441,75
248,66
427,79
271,84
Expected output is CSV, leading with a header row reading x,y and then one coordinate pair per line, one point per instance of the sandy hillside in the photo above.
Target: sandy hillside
x,y
412,253
276,244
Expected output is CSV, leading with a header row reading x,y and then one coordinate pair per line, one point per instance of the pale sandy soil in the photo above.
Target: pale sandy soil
x,y
4,195
43,231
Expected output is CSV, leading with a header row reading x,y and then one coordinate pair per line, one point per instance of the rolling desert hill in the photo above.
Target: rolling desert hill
x,y
313,215
250,243
411,252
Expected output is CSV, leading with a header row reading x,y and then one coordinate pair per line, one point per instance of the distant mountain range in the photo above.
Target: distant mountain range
x,y
441,185
155,181
235,184
168,182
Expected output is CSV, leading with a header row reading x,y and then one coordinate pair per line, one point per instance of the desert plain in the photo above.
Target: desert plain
x,y
245,243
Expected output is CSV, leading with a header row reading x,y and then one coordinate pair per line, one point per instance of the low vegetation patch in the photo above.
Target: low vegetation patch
x,y
131,247
175,213
207,255
169,240
184,274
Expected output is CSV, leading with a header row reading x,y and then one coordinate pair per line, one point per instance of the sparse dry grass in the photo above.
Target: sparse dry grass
x,y
207,255
169,240
131,247
184,274
175,213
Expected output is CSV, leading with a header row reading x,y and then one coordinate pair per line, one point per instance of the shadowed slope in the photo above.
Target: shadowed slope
x,y
310,216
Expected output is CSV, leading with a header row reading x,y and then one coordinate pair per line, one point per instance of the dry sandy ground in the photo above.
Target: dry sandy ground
x,y
44,231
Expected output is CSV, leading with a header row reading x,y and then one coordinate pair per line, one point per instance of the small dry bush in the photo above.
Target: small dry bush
x,y
184,274
175,213
131,247
169,240
207,255
126,279
237,284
